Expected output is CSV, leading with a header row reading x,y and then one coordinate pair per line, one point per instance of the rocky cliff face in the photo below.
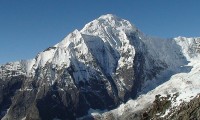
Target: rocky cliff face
x,y
99,67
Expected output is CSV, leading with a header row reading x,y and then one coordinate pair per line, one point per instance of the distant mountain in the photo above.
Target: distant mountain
x,y
107,65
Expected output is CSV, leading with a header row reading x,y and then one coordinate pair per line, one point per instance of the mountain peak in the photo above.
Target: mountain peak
x,y
110,17
107,23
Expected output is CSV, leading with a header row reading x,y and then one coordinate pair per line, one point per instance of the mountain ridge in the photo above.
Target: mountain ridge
x,y
101,66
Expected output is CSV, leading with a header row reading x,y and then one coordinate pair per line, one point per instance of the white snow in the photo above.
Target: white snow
x,y
44,57
166,113
95,111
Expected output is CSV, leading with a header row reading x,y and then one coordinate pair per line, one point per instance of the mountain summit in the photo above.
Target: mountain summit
x,y
103,65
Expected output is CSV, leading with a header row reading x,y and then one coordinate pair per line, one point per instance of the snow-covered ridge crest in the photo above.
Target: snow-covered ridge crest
x,y
60,54
190,46
73,37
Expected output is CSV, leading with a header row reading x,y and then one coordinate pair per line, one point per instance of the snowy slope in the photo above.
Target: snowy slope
x,y
185,83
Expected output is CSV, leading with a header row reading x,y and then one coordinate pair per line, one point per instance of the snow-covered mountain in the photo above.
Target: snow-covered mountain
x,y
100,67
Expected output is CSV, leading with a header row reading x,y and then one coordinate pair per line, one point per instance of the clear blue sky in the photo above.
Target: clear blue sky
x,y
30,26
